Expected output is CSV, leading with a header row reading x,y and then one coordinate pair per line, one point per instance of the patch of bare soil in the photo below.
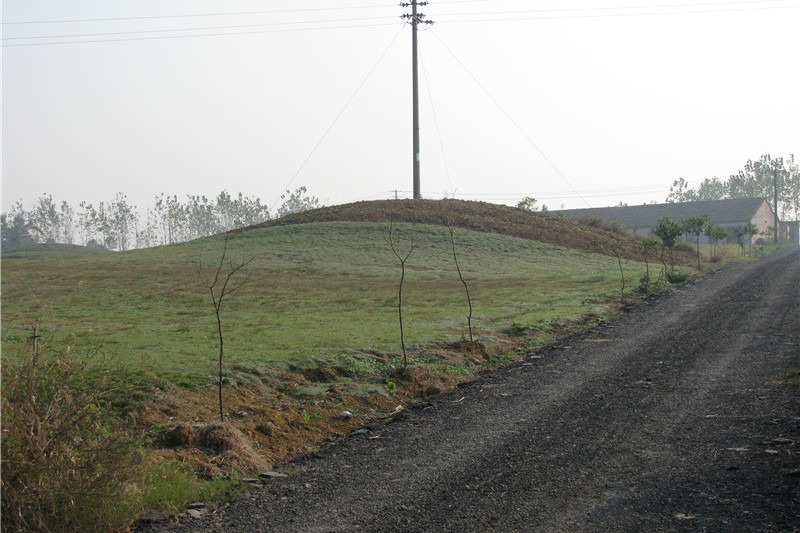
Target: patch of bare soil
x,y
291,412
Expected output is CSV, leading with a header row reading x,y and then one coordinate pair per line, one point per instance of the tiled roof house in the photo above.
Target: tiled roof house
x,y
641,219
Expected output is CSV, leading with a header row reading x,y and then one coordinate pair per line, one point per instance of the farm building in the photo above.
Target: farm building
x,y
730,214
792,229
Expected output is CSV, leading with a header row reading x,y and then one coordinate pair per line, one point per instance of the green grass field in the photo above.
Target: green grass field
x,y
317,292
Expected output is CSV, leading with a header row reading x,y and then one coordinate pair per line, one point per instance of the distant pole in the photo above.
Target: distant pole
x,y
775,203
415,19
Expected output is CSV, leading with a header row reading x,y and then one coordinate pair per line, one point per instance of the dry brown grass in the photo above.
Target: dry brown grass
x,y
291,413
64,467
229,449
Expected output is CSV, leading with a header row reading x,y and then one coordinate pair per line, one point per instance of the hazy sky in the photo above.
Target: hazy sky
x,y
575,103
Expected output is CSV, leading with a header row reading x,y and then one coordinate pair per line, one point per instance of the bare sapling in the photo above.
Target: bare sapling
x,y
35,338
450,228
649,248
662,274
750,230
402,256
612,246
219,287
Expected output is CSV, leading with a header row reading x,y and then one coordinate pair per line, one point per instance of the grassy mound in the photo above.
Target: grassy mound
x,y
476,216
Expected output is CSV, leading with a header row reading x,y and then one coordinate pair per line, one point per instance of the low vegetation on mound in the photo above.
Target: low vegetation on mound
x,y
311,351
476,216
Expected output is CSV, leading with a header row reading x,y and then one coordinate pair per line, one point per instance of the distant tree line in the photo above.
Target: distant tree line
x,y
757,179
120,225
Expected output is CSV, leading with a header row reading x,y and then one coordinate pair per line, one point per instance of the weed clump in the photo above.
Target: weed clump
x,y
517,330
649,285
232,448
678,277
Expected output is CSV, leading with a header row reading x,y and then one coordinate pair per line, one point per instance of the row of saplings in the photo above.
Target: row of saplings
x,y
668,237
670,232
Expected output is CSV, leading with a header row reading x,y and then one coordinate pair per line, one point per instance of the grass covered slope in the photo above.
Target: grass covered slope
x,y
477,216
319,290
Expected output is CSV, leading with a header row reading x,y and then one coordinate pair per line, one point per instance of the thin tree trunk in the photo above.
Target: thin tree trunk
x,y
394,244
698,252
461,277
221,351
400,310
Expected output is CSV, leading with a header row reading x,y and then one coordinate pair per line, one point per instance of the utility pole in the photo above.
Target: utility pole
x,y
415,18
775,204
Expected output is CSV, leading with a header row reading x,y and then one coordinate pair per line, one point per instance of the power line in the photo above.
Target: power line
x,y
757,4
436,124
568,14
543,14
162,37
359,7
459,2
202,28
510,118
341,112
590,193
196,15
508,196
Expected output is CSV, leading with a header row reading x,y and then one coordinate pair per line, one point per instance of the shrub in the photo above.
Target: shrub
x,y
669,232
648,285
678,277
65,466
645,284
517,330
684,246
172,485
609,225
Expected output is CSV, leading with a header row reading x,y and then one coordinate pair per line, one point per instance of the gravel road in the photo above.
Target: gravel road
x,y
673,417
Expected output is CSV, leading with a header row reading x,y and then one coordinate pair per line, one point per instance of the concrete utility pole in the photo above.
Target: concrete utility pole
x,y
415,18
775,185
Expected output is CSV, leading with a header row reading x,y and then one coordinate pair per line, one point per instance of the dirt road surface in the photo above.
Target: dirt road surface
x,y
673,417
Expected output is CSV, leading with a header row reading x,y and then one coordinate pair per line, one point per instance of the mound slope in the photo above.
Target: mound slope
x,y
476,216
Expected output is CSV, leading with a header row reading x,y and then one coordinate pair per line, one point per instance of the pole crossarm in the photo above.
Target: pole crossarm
x,y
415,17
